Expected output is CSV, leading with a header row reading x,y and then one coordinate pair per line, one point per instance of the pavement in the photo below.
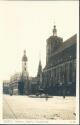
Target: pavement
x,y
24,107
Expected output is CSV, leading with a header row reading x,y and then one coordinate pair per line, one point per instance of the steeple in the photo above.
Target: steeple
x,y
54,31
39,69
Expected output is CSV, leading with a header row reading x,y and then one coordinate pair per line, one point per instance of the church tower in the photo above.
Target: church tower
x,y
54,42
24,65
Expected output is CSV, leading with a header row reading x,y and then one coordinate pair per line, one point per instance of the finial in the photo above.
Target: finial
x,y
24,51
54,30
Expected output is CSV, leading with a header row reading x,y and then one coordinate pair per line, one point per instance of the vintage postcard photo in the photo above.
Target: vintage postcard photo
x,y
39,62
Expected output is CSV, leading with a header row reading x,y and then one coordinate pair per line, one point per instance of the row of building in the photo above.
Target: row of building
x,y
58,76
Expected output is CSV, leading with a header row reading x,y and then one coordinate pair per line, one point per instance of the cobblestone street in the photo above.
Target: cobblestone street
x,y
24,107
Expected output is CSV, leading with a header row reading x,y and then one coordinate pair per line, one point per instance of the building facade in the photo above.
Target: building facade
x,y
33,85
35,82
59,74
6,87
14,84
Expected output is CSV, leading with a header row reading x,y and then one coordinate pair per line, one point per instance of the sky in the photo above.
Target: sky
x,y
27,25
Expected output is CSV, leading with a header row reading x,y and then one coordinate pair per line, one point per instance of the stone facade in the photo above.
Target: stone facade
x,y
59,74
33,85
6,87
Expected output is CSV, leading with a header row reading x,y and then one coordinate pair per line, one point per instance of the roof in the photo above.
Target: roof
x,y
51,38
72,40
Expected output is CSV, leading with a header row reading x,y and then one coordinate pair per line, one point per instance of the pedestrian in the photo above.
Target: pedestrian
x,y
64,93
46,97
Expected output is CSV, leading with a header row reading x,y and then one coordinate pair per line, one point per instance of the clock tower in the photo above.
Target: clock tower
x,y
53,44
24,65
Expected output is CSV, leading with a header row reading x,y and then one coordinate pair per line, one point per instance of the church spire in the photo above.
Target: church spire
x,y
39,69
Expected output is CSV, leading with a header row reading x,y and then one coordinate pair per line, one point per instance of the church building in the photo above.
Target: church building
x,y
59,74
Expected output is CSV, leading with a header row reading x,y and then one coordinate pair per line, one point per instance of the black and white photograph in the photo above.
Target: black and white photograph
x,y
39,62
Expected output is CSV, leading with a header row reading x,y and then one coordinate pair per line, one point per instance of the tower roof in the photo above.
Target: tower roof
x,y
54,31
24,58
